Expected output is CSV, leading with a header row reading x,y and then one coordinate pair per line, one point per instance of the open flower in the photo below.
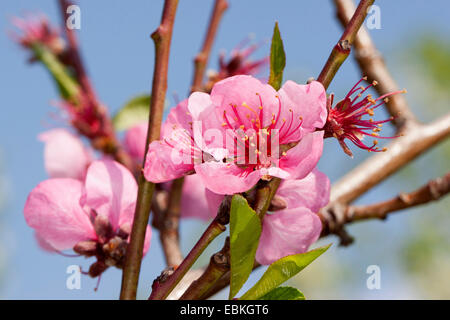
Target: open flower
x,y
292,225
243,131
345,120
93,218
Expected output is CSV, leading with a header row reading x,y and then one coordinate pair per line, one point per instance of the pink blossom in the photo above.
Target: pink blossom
x,y
65,156
93,218
292,229
135,140
345,120
251,115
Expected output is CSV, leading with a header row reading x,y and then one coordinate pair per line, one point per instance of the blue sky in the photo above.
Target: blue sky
x,y
119,56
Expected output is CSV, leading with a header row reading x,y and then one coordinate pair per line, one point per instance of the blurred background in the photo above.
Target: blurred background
x,y
411,247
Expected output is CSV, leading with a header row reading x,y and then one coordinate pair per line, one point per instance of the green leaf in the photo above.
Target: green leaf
x,y
135,111
283,293
282,270
245,229
277,59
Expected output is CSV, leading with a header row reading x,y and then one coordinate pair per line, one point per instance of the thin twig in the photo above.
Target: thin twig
x,y
169,221
372,65
162,38
168,228
201,60
432,191
219,264
342,49
166,282
417,140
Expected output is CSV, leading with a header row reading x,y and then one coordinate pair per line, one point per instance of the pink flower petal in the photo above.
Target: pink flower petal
x,y
65,156
111,190
53,210
214,200
44,245
135,139
164,163
178,118
307,101
148,237
312,192
197,103
193,199
246,93
207,129
287,232
224,178
302,159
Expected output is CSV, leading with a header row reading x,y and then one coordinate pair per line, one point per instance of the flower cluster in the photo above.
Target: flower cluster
x,y
243,131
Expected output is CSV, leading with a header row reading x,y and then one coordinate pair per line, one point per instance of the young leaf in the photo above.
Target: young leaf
x,y
282,270
277,59
283,293
135,111
245,229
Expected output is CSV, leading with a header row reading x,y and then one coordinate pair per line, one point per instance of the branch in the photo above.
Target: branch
x,y
168,228
372,65
219,264
169,222
433,190
162,38
418,139
342,49
201,60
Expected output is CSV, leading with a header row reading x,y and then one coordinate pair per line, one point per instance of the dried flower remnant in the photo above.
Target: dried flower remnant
x,y
239,63
345,120
36,29
91,120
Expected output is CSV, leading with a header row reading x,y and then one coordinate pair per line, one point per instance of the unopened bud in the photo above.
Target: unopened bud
x,y
86,248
